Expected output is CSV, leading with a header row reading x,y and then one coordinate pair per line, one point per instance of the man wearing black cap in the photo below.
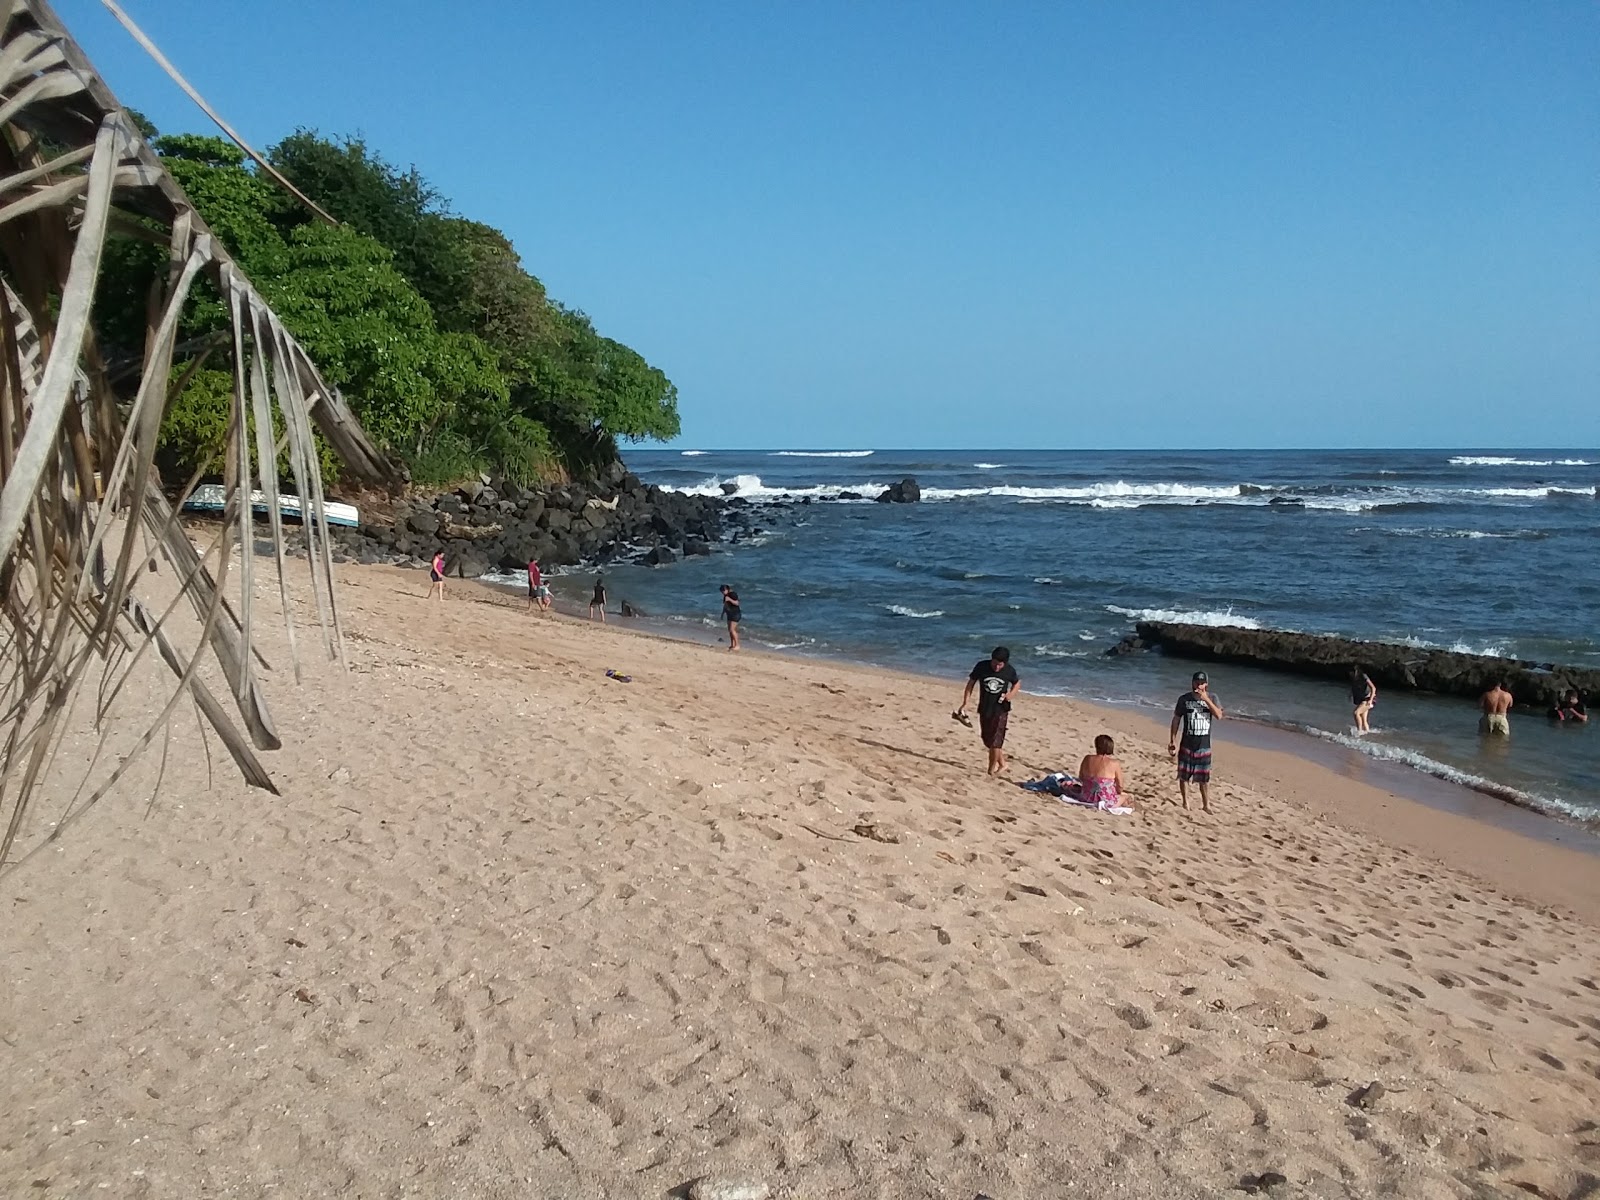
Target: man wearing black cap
x,y
996,682
1195,711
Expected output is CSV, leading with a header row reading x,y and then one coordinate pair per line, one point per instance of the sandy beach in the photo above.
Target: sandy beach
x,y
514,929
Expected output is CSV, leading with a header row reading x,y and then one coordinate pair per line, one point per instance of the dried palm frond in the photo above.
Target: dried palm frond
x,y
82,505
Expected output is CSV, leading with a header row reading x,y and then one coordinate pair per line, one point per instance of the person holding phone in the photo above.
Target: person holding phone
x,y
1192,716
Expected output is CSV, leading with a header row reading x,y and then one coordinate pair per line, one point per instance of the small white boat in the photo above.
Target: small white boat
x,y
210,498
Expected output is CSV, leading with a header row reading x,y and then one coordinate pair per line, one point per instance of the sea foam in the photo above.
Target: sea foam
x,y
1226,618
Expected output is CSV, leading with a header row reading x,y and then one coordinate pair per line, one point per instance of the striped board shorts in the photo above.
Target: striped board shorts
x,y
1194,761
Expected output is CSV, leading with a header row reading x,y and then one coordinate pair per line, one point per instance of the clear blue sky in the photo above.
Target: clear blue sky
x,y
952,225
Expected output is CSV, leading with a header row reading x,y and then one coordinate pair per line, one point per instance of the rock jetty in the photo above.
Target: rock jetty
x,y
1407,668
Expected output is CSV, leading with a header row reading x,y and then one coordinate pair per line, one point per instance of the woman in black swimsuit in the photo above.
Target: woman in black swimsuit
x,y
731,614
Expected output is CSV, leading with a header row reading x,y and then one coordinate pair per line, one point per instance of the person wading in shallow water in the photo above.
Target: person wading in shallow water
x,y
996,681
1496,707
1195,711
1363,695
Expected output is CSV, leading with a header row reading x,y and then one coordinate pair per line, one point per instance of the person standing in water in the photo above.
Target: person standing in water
x,y
1570,710
597,602
732,614
436,574
1363,695
1193,714
1496,707
996,682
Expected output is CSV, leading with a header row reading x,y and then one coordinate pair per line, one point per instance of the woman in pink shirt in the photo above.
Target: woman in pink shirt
x,y
436,572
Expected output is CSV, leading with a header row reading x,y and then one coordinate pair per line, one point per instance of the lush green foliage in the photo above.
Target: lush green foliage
x,y
452,355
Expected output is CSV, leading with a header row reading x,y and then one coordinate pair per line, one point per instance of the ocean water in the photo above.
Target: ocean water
x,y
1057,553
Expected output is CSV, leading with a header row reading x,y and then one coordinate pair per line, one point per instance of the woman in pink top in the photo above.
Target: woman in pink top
x,y
436,572
1101,776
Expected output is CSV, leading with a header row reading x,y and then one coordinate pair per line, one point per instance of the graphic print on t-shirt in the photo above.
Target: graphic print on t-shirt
x,y
1196,716
993,685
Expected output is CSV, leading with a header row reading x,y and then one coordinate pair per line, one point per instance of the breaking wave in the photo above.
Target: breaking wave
x,y
901,610
1495,460
1226,618
821,454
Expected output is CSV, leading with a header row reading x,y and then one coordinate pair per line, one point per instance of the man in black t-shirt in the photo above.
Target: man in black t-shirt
x,y
1193,714
996,682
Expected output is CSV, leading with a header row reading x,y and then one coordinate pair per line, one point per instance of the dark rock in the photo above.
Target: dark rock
x,y
1407,668
470,491
660,556
729,489
695,547
1286,502
533,509
556,520
468,564
1366,1096
424,522
907,491
631,610
1264,1182
1131,644
851,496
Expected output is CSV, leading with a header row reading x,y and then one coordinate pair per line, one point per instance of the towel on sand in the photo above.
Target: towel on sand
x,y
1067,787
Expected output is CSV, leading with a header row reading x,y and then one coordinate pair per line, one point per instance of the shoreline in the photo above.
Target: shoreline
x,y
1507,846
1490,804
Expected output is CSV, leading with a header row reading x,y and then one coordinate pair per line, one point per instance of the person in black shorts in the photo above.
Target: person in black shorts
x,y
732,614
597,602
996,682
1195,711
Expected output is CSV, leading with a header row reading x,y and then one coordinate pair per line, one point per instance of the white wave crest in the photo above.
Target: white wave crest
x,y
694,453
1496,460
988,466
1182,617
901,610
822,454
751,488
1488,649
1094,491
1056,650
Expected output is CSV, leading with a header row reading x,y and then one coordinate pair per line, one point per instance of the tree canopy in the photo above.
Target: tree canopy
x,y
451,353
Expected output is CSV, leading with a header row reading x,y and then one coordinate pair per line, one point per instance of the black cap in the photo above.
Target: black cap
x,y
1199,677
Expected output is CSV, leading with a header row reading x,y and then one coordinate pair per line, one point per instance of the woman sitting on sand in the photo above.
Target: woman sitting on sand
x,y
1100,774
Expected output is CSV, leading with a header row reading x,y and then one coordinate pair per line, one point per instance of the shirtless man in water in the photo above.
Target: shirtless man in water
x,y
1496,704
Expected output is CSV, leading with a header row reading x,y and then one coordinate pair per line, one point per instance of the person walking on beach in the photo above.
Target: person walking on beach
x,y
1496,705
1193,714
538,590
1570,710
1363,695
732,614
996,682
597,602
436,574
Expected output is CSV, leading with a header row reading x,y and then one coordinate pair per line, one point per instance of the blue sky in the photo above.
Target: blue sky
x,y
943,225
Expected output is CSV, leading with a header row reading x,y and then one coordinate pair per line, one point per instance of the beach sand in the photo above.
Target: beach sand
x,y
517,930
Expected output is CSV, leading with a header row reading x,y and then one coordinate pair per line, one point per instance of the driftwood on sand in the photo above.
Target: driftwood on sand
x,y
82,506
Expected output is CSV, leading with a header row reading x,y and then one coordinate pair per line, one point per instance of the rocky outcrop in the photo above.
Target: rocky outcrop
x,y
491,525
907,491
1408,668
